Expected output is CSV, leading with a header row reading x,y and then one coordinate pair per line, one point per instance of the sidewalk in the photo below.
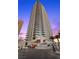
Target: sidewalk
x,y
43,47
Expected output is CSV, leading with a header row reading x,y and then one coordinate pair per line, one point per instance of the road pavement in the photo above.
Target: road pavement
x,y
37,54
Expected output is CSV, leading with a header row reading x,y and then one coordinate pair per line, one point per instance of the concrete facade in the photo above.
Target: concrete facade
x,y
39,25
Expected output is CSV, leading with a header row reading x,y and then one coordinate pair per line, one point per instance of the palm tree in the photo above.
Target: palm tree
x,y
33,38
52,38
57,37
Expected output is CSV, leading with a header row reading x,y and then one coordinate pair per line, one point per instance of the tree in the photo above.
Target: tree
x,y
26,43
59,34
33,38
57,37
51,37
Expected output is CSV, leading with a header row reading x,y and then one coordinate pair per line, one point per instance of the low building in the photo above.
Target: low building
x,y
21,43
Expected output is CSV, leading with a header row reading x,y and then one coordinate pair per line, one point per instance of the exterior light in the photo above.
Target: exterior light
x,y
55,40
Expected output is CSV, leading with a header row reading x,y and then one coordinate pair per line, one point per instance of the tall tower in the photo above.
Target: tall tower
x,y
39,25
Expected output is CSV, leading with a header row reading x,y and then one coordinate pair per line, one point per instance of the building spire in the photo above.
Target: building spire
x,y
37,1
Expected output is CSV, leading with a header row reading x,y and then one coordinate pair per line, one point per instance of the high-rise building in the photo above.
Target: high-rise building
x,y
39,26
20,23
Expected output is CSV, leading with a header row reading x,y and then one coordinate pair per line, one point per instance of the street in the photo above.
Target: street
x,y
37,54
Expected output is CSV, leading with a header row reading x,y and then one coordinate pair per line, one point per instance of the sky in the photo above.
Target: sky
x,y
52,8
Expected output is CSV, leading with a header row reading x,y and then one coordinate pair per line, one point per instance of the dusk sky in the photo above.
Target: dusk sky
x,y
52,8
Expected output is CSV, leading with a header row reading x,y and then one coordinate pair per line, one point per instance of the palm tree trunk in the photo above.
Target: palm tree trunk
x,y
58,43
